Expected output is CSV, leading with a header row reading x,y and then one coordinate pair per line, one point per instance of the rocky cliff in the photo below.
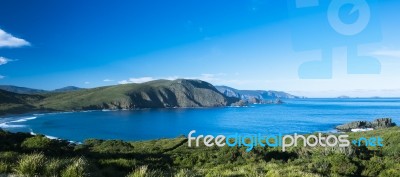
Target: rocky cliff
x,y
255,96
376,124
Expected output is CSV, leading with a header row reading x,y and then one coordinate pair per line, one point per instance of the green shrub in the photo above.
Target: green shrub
x,y
109,146
120,163
392,171
185,173
31,165
9,156
5,167
319,164
37,143
44,144
373,166
55,166
79,168
342,165
7,161
143,171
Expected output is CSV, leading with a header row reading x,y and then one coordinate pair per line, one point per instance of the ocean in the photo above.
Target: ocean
x,y
294,116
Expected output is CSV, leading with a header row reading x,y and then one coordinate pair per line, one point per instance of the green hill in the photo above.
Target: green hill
x,y
12,103
154,94
25,90
22,90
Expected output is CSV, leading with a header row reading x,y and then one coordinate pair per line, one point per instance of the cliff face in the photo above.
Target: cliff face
x,y
196,93
254,96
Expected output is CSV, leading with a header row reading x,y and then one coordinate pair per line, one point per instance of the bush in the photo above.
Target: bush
x,y
9,156
392,168
143,171
5,167
342,165
319,165
109,146
44,144
373,167
55,166
79,168
31,165
185,173
37,143
120,163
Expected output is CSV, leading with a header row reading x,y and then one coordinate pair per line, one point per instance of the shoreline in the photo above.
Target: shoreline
x,y
332,130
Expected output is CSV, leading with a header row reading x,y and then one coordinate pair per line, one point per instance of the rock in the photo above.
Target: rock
x,y
240,103
353,125
255,96
376,124
382,123
278,101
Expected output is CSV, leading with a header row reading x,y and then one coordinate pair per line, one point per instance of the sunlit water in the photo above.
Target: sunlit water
x,y
295,116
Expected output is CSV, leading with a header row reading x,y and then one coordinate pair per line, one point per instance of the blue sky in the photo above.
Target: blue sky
x,y
253,44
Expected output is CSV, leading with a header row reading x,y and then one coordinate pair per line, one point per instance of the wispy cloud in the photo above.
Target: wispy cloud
x,y
137,80
87,82
209,77
204,77
8,40
4,60
387,53
108,80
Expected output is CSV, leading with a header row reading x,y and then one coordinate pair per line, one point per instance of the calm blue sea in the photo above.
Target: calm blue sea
x,y
295,116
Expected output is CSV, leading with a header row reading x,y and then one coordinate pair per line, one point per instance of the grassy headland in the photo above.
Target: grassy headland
x,y
27,155
154,94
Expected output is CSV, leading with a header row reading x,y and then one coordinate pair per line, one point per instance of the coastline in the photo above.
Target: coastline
x,y
27,117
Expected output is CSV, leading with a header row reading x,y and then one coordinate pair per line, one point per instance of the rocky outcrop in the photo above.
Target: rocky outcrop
x,y
376,124
255,96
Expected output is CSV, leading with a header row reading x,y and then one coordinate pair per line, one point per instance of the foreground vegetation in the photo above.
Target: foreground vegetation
x,y
22,154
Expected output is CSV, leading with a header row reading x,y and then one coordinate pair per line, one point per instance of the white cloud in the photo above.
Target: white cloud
x,y
87,82
108,80
387,53
137,80
4,60
8,40
209,77
171,78
203,77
